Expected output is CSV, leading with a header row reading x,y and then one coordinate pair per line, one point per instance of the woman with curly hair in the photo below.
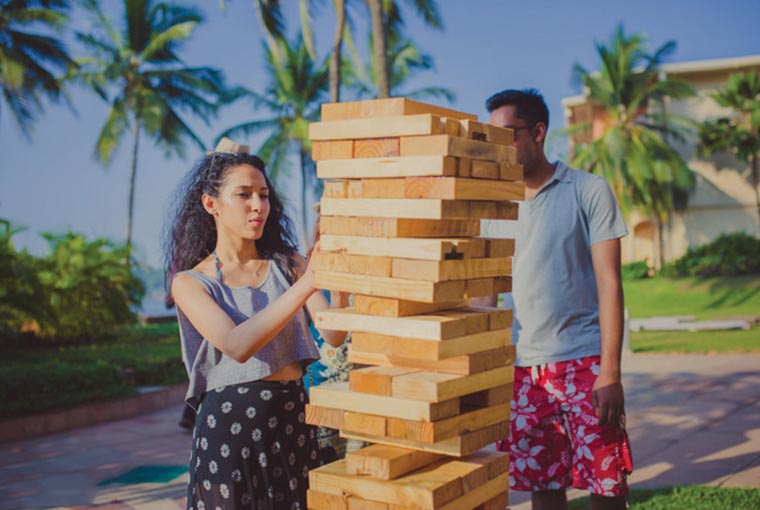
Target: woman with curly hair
x,y
241,290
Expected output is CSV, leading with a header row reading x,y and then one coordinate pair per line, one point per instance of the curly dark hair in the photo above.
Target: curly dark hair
x,y
190,236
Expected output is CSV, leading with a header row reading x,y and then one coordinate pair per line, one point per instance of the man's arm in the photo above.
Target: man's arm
x,y
608,389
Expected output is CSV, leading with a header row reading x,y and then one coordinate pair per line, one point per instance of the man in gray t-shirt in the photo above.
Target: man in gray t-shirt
x,y
567,421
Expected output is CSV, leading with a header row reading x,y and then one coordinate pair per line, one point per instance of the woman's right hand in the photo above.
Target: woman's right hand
x,y
307,276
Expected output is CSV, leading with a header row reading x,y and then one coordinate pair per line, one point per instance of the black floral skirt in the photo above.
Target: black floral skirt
x,y
252,448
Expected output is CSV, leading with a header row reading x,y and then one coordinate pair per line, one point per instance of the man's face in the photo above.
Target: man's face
x,y
528,137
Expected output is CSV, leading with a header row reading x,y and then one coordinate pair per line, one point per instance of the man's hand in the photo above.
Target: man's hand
x,y
608,400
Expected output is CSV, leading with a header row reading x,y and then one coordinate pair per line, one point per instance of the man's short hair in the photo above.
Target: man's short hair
x,y
529,104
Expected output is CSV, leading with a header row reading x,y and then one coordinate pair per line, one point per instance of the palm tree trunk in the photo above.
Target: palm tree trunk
x,y
132,178
304,206
335,57
381,55
755,179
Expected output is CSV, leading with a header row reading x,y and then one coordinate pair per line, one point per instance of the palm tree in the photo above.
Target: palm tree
x,y
633,152
387,20
150,84
738,133
296,90
28,60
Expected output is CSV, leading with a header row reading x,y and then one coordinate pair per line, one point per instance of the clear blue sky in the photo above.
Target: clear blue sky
x,y
55,184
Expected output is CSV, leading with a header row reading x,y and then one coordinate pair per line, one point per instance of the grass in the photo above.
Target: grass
x,y
35,377
697,342
689,497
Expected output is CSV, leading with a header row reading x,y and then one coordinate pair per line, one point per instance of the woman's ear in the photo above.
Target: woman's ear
x,y
209,204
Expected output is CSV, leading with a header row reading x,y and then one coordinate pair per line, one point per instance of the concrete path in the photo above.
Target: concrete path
x,y
692,419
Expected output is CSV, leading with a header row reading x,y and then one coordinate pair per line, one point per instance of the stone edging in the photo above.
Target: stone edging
x,y
90,414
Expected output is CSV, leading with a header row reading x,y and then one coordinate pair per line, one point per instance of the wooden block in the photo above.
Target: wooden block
x,y
445,145
486,170
426,349
338,396
442,270
428,249
415,290
480,287
335,188
417,208
437,387
481,495
354,188
370,424
510,172
324,417
464,365
473,130
499,502
440,430
500,248
341,168
490,397
375,380
450,126
448,188
356,264
397,227
316,500
354,129
493,210
501,285
386,107
333,150
355,503
426,489
390,307
456,446
464,167
500,135
387,462
377,148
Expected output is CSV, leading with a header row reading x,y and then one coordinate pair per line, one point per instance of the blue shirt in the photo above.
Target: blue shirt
x,y
554,289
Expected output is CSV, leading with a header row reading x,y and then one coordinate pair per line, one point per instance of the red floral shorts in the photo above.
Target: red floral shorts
x,y
555,440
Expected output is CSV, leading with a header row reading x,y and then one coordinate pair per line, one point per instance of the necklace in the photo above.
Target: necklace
x,y
218,268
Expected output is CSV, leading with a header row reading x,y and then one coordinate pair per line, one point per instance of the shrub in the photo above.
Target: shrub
x,y
635,270
728,255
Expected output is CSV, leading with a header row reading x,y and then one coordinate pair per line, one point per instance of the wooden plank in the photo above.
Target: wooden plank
x,y
429,249
448,188
467,364
418,208
354,129
371,424
316,500
459,446
415,290
435,326
473,130
387,462
375,380
398,227
442,270
436,387
377,148
440,430
338,396
324,416
386,107
490,397
391,307
481,495
334,150
335,188
486,132
450,126
339,167
445,145
426,349
502,285
486,170
499,502
511,172
500,248
355,264
464,167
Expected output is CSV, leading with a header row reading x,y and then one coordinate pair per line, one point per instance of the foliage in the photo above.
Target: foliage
x,y
635,270
30,60
704,298
738,133
697,342
90,288
728,255
22,296
150,83
693,497
633,153
31,376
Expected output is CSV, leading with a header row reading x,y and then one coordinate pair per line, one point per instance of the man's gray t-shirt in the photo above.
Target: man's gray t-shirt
x,y
554,289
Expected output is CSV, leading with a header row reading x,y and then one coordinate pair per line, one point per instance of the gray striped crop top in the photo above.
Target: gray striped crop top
x,y
208,368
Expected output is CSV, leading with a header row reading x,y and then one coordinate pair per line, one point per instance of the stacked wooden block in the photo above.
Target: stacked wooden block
x,y
407,185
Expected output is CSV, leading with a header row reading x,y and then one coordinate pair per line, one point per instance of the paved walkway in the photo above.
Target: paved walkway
x,y
692,419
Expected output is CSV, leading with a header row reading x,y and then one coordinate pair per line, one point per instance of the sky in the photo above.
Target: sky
x,y
54,183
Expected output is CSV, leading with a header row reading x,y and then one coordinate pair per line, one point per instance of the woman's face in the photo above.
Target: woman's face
x,y
242,206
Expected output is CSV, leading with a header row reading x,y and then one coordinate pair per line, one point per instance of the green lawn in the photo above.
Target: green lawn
x,y
690,497
704,298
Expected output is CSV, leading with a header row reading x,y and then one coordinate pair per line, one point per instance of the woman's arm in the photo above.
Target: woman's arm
x,y
244,340
318,303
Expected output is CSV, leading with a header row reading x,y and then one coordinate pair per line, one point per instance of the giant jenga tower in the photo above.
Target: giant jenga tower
x,y
406,187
